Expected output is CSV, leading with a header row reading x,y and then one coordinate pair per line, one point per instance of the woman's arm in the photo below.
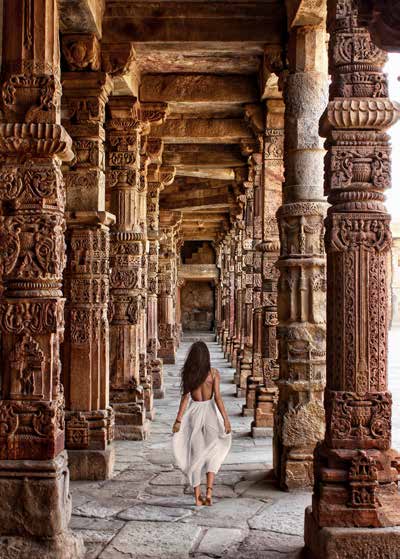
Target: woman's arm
x,y
220,403
181,411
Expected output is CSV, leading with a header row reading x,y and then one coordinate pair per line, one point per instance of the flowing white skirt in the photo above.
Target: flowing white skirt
x,y
201,444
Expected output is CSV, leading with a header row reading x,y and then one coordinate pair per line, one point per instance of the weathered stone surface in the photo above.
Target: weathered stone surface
x,y
260,545
216,541
285,516
203,131
227,514
346,543
154,513
91,464
145,540
198,88
63,546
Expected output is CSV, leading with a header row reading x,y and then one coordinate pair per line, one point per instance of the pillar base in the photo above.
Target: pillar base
x,y
246,411
130,422
35,499
240,392
132,432
261,432
91,465
63,546
168,359
151,414
347,543
159,393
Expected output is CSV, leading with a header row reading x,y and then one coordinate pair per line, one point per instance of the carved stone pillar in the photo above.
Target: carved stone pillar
x,y
34,478
255,377
169,225
158,178
126,261
266,392
155,363
238,292
356,498
246,359
225,293
89,418
301,288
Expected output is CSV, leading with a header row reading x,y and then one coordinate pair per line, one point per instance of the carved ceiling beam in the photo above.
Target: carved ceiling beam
x,y
238,22
199,88
209,130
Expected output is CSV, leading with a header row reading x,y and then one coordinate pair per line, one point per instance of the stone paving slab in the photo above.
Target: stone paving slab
x,y
152,540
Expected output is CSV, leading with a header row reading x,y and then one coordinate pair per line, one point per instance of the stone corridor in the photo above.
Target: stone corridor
x,y
146,510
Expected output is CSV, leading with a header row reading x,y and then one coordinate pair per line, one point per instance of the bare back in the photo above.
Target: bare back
x,y
206,390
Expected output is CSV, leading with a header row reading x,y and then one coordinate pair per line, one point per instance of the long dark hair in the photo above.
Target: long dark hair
x,y
196,367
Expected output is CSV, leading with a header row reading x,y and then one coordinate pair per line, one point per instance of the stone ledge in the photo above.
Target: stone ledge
x,y
348,543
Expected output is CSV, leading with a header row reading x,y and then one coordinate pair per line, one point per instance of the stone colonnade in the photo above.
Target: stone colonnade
x,y
272,315
90,302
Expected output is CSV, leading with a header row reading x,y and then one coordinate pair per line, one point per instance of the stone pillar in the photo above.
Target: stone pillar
x,y
34,478
301,287
169,225
238,268
356,499
158,178
266,392
255,377
246,359
89,418
126,261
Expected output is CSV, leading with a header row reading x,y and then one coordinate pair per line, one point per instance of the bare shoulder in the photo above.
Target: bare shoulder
x,y
216,373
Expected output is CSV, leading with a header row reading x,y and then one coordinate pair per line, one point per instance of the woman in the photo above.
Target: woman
x,y
202,437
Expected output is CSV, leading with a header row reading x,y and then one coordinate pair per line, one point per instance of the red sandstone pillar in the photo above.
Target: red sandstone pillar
x,y
301,287
126,260
266,392
356,502
34,478
89,418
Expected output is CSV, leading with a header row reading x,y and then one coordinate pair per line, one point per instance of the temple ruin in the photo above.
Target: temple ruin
x,y
182,165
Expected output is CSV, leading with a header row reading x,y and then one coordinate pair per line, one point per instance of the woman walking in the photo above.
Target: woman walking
x,y
202,437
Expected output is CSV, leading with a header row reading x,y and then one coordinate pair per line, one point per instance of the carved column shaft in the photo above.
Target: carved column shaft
x,y
168,277
126,261
245,362
301,286
34,478
153,198
89,425
356,470
255,376
266,393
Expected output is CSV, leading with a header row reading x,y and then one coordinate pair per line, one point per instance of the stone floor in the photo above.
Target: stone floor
x,y
146,510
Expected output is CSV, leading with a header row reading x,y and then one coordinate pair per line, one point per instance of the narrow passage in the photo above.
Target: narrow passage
x,y
146,511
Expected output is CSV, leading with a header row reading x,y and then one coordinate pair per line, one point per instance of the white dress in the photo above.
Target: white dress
x,y
201,444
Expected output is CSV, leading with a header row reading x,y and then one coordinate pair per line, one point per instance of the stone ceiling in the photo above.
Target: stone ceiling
x,y
205,59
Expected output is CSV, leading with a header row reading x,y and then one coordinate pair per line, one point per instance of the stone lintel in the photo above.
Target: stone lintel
x,y
199,88
205,131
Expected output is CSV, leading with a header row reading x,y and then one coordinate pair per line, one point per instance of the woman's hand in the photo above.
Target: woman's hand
x,y
176,426
228,428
